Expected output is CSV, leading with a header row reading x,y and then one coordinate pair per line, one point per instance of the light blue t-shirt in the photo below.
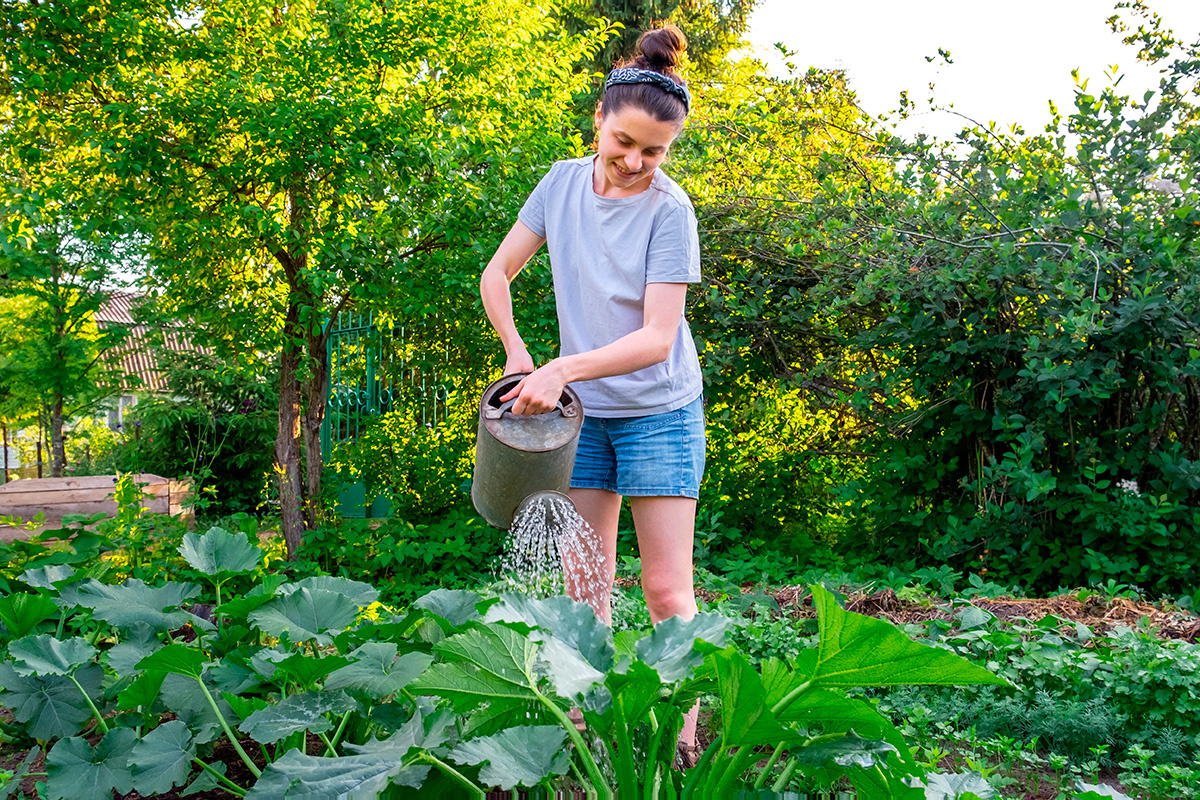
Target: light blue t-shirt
x,y
603,252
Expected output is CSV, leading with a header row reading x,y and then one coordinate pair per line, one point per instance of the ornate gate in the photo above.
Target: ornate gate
x,y
372,370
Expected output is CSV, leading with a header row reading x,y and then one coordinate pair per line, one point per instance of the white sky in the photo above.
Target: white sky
x,y
1009,58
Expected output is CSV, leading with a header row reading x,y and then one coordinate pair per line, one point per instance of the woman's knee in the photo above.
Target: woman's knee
x,y
668,597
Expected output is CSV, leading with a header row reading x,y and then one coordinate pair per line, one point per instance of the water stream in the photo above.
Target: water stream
x,y
548,533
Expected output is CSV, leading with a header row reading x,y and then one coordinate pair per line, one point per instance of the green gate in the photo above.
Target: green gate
x,y
372,370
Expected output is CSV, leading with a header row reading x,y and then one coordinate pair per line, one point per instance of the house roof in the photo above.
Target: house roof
x,y
137,355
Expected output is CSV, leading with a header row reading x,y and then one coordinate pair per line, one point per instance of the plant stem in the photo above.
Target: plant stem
x,y
585,755
225,726
790,697
330,750
697,771
62,622
784,777
337,735
95,711
230,786
762,778
475,791
626,772
654,761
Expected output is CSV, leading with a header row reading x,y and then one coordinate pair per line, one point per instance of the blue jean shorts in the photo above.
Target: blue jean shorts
x,y
660,455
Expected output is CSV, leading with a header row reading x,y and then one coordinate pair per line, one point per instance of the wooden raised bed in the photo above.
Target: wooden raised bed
x,y
57,497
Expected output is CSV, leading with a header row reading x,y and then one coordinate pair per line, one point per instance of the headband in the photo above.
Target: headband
x,y
624,75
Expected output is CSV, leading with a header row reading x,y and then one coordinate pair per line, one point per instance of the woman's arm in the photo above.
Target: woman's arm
x,y
645,347
509,259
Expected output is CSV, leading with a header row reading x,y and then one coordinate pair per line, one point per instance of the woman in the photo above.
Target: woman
x,y
623,247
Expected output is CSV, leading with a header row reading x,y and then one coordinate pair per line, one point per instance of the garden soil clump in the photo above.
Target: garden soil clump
x,y
1099,614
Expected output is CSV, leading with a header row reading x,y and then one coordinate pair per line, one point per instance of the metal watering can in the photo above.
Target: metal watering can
x,y
520,457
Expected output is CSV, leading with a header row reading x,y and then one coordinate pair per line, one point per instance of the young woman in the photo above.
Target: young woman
x,y
623,247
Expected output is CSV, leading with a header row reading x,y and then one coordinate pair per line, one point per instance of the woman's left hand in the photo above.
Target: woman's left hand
x,y
539,391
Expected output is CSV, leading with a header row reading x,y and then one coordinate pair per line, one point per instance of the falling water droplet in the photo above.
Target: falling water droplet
x,y
546,532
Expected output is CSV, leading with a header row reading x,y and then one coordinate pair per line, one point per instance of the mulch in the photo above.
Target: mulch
x,y
1096,612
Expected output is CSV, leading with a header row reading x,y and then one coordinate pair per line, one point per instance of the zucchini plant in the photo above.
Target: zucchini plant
x,y
127,688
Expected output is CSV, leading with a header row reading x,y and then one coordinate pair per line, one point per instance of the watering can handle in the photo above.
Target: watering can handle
x,y
496,412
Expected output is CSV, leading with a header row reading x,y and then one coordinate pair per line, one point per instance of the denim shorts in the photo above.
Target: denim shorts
x,y
660,455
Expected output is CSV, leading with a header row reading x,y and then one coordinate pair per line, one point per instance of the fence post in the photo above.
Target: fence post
x,y
39,458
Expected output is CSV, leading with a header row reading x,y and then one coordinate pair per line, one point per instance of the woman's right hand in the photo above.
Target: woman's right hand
x,y
519,361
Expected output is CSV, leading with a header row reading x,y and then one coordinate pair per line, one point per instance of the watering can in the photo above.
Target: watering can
x,y
519,456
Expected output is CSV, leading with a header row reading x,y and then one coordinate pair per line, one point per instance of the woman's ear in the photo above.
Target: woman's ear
x,y
599,114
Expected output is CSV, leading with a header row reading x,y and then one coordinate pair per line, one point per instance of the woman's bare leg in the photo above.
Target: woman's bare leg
x,y
601,509
666,529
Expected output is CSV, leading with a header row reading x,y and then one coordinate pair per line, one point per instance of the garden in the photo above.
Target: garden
x,y
946,544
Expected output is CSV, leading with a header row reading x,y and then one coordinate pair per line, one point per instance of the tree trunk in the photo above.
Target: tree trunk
x,y
58,453
287,442
315,390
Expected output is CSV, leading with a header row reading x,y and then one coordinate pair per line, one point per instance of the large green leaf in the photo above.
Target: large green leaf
x,y
123,658
133,603
306,777
832,712
521,756
162,759
376,672
24,611
361,594
45,655
50,706
488,663
304,670
47,577
297,712
1083,791
856,650
218,552
671,647
184,696
634,692
307,615
455,606
963,786
427,729
77,771
578,649
177,659
746,718
851,750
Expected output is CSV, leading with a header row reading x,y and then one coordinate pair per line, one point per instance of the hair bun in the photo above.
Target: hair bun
x,y
659,49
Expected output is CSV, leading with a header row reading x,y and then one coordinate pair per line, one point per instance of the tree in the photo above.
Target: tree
x,y
292,163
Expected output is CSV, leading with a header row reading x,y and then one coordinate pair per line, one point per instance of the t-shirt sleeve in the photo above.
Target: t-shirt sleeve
x,y
533,213
673,255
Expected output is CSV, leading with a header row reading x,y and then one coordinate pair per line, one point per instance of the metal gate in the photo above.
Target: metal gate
x,y
374,369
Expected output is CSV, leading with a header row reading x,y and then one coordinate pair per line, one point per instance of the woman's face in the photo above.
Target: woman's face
x,y
630,146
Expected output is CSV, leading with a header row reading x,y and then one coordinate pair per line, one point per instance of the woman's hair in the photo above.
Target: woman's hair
x,y
658,50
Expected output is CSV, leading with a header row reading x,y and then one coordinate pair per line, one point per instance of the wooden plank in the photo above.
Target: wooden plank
x,y
84,482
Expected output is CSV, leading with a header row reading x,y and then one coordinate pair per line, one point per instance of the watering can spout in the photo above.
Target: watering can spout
x,y
517,457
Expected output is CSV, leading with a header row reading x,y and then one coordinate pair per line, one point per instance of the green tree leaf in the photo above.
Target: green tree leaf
x,y
377,672
45,655
78,771
521,756
856,650
297,712
162,759
218,552
307,615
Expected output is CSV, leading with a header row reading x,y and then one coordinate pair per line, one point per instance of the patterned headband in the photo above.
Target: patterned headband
x,y
624,75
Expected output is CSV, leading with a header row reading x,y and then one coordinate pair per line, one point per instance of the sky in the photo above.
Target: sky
x,y
1009,59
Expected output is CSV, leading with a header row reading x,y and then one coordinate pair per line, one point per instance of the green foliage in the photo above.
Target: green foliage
x,y
304,661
